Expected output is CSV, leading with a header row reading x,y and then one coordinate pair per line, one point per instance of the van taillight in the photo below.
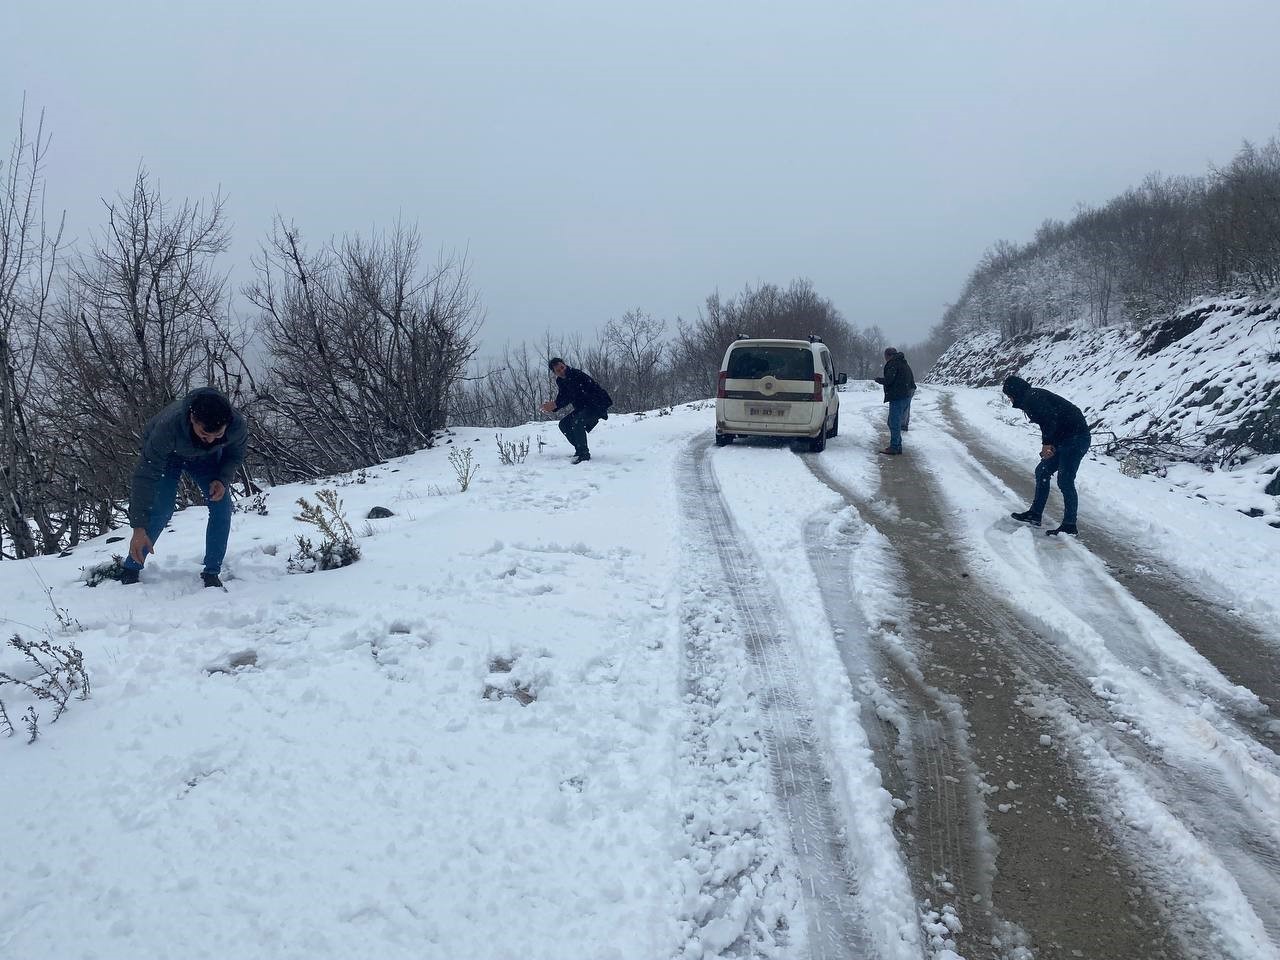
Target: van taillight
x,y
720,394
817,387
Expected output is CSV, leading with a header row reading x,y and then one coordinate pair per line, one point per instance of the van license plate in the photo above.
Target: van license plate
x,y
774,410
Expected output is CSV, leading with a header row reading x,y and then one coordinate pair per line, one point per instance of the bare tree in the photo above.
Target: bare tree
x,y
699,347
142,319
28,257
365,345
512,387
637,348
1138,257
1245,201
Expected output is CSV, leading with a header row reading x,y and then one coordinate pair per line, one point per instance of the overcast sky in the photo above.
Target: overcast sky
x,y
594,157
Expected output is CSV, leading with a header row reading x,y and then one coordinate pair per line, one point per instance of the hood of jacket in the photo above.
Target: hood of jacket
x,y
1015,388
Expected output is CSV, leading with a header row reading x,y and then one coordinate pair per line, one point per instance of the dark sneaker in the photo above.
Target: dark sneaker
x,y
1027,517
1065,528
210,579
580,458
128,576
890,452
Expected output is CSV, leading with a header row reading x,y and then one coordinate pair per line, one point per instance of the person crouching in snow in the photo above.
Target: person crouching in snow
x,y
590,402
202,436
1064,439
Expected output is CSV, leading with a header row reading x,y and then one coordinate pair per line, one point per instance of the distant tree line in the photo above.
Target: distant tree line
x,y
1141,255
348,353
645,363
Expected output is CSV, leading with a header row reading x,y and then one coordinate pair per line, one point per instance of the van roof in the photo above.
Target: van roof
x,y
771,342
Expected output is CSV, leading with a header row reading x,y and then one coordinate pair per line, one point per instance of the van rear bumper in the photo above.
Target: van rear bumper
x,y
754,429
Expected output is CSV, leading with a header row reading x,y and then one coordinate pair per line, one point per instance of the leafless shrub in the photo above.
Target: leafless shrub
x,y
257,504
133,333
66,622
29,250
365,345
337,547
1153,449
60,674
464,467
511,452
509,391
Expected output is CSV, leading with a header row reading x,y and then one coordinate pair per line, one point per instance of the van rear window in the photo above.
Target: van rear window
x,y
784,363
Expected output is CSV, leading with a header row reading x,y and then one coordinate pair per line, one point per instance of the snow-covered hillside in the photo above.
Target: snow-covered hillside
x,y
1206,377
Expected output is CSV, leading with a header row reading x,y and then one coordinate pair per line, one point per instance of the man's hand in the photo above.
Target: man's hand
x,y
140,545
217,490
1046,451
549,407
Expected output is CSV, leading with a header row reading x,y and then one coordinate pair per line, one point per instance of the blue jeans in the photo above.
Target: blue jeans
x,y
216,531
1066,461
897,408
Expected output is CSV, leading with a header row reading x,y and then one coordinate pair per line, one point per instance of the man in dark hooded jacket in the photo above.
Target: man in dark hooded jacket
x,y
590,402
202,436
899,384
1064,438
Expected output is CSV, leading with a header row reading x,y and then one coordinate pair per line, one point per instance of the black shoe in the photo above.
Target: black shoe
x,y
1065,528
890,452
128,576
1027,517
580,457
210,579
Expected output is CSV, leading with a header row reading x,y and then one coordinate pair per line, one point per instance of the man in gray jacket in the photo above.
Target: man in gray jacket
x,y
202,436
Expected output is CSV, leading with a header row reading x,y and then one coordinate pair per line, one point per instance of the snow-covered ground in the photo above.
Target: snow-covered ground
x,y
1207,538
1207,375
524,725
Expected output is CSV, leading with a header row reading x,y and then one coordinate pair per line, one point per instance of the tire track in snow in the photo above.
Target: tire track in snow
x,y
802,785
920,749
1057,877
1228,797
1235,646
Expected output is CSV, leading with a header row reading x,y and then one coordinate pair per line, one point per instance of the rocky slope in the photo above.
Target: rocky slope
x,y
1193,398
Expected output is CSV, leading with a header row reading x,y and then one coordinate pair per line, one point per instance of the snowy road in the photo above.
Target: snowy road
x,y
800,778
1075,775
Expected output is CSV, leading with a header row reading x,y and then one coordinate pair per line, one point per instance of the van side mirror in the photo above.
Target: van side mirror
x,y
842,378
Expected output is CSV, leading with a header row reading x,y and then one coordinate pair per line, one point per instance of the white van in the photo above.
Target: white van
x,y
778,388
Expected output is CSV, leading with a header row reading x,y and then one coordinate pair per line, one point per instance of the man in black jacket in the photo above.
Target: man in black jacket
x,y
1064,438
590,405
202,436
899,383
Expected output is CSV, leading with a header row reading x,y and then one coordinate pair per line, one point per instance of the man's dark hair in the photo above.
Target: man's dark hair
x,y
211,410
889,352
551,364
